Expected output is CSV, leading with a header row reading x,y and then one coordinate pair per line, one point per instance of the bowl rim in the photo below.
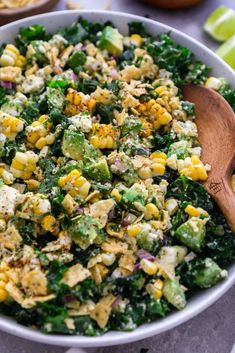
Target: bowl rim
x,y
174,319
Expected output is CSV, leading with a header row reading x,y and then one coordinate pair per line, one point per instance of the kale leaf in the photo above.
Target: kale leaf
x,y
28,34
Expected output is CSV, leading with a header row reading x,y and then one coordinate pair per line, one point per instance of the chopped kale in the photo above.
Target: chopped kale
x,y
138,28
28,34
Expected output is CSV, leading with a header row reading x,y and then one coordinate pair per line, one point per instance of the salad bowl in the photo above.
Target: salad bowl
x,y
200,301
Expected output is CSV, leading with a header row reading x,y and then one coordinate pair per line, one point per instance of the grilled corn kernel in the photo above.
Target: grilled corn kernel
x,y
10,126
155,289
3,294
75,184
149,267
151,211
73,96
213,83
116,194
103,136
38,133
23,164
12,57
91,105
136,39
50,224
192,211
133,230
157,169
158,155
32,184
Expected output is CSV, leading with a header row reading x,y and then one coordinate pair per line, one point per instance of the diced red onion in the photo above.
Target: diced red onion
x,y
142,254
113,73
6,84
70,298
119,165
136,267
129,219
74,76
116,302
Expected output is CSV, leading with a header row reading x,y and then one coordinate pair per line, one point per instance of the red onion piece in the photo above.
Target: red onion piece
x,y
142,254
6,84
116,302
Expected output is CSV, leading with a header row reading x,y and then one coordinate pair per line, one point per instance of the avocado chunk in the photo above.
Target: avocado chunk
x,y
174,293
77,59
208,273
192,233
99,170
73,144
85,230
111,40
179,148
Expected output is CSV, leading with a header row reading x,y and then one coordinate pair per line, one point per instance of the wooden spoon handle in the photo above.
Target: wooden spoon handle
x,y
221,190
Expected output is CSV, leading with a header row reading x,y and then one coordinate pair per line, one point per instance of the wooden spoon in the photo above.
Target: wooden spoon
x,y
215,120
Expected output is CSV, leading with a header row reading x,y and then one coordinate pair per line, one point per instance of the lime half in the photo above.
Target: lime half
x,y
221,23
227,51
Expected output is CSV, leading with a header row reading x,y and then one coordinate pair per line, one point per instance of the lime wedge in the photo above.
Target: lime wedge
x,y
221,23
227,51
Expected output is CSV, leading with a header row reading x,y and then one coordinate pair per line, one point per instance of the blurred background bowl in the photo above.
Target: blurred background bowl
x,y
173,4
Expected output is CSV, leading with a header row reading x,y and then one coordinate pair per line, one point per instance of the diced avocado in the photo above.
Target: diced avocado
x,y
174,293
133,196
84,231
55,98
99,170
179,148
208,274
149,240
192,233
76,59
75,146
111,40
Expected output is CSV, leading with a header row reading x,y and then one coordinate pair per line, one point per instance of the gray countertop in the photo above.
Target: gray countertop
x,y
213,331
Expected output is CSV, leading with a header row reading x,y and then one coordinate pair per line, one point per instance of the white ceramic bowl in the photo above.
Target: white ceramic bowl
x,y
54,21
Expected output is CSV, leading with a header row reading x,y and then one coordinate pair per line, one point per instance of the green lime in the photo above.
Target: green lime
x,y
221,23
227,51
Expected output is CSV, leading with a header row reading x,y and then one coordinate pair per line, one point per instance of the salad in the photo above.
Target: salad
x,y
104,224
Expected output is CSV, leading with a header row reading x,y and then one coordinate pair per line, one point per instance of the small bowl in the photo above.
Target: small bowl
x,y
173,4
8,15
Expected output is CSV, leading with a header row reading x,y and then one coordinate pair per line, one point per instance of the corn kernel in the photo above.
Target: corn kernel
x,y
40,143
192,211
155,289
136,39
32,184
133,230
160,89
17,165
116,194
149,267
49,224
202,174
157,169
3,294
164,118
158,154
91,104
151,211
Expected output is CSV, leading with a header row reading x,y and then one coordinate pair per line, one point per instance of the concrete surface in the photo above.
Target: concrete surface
x,y
213,331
